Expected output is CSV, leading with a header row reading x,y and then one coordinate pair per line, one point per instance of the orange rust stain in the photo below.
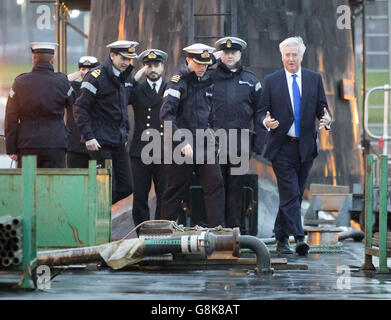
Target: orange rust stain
x,y
121,24
332,168
355,120
140,19
355,225
150,40
320,59
75,234
325,140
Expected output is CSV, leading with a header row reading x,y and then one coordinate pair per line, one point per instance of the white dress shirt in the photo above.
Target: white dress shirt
x,y
289,79
158,84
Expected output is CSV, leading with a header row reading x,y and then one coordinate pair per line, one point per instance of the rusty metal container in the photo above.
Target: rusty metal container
x,y
72,206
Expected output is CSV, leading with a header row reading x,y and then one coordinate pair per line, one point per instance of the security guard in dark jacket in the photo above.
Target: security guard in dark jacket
x,y
34,116
147,99
236,97
101,113
77,153
187,105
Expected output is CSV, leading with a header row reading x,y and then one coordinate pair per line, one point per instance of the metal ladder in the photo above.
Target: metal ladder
x,y
193,33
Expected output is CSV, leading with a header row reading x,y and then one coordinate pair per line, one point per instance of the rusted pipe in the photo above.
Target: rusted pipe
x,y
261,251
70,256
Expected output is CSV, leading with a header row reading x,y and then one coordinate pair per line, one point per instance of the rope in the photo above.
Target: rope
x,y
176,227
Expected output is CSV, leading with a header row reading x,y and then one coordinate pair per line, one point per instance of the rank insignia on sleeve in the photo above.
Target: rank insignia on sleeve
x,y
176,78
96,73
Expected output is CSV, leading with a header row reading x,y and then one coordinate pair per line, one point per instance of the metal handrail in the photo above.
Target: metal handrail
x,y
386,88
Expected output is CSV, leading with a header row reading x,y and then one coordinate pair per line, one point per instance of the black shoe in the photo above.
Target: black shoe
x,y
302,248
283,247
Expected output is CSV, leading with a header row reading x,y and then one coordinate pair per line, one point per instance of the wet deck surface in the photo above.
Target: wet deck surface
x,y
320,281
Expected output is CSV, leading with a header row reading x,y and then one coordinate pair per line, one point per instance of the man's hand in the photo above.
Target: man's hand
x,y
13,157
218,54
140,73
269,122
92,145
325,121
74,76
187,151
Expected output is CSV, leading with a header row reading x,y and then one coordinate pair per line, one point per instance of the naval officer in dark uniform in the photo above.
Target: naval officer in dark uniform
x,y
187,104
77,153
147,99
236,97
101,113
34,115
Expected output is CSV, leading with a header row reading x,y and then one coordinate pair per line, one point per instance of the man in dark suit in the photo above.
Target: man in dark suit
x,y
146,99
292,99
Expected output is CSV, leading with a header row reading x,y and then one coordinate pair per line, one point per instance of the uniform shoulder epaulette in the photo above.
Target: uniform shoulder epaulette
x,y
96,73
176,78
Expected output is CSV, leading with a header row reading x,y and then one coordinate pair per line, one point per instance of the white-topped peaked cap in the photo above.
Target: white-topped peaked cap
x,y
43,47
201,53
151,55
231,43
88,62
124,47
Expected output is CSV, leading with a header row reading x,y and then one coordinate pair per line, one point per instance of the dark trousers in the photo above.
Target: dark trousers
x,y
233,185
46,158
77,159
122,179
178,182
143,175
291,176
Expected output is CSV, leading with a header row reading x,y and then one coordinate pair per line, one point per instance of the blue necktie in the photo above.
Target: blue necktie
x,y
296,103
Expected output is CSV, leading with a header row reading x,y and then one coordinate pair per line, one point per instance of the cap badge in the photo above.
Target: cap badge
x,y
152,55
229,43
132,49
205,54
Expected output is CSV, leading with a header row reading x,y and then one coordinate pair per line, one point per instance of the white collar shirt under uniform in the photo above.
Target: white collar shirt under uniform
x,y
158,84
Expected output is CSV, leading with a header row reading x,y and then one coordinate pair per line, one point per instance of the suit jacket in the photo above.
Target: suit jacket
x,y
146,106
275,99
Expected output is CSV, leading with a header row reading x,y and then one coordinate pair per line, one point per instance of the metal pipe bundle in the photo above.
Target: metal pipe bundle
x,y
11,233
